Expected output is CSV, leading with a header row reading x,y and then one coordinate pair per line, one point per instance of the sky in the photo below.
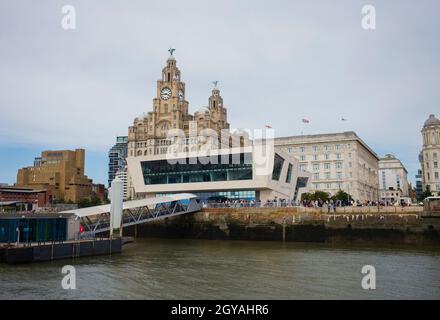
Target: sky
x,y
277,62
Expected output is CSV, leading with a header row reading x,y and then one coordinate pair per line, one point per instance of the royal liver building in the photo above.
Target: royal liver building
x,y
148,134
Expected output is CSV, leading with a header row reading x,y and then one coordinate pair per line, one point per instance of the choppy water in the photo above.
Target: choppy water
x,y
203,269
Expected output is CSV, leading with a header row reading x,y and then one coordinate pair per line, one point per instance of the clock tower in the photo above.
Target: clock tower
x,y
170,107
148,134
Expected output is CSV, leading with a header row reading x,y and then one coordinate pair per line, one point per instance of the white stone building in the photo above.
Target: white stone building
x,y
393,179
336,161
430,155
122,175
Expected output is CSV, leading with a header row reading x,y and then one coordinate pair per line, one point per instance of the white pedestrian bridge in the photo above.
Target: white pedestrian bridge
x,y
97,219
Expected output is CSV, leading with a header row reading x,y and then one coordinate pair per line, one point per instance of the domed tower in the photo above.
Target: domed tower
x,y
215,115
430,154
148,134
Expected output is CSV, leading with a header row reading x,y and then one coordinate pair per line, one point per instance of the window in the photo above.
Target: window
x,y
302,167
302,158
316,176
337,147
289,173
316,185
427,165
327,175
315,157
435,165
327,166
350,174
290,149
339,175
187,170
338,156
327,147
350,164
338,165
277,166
302,149
436,175
315,166
315,148
326,156
434,155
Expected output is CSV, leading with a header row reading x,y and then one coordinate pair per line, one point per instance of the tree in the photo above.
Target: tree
x,y
427,192
86,202
342,196
317,195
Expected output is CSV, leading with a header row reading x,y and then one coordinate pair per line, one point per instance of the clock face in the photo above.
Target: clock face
x,y
181,95
165,93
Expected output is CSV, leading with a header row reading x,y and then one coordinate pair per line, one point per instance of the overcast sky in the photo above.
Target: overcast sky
x,y
276,61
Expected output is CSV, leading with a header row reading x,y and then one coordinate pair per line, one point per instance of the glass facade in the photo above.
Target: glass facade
x,y
301,182
32,230
220,196
289,173
277,166
187,170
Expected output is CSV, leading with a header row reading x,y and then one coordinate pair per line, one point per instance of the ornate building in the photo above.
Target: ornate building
x,y
430,155
148,134
337,161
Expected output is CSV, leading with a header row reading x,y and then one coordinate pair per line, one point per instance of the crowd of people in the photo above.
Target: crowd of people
x,y
331,205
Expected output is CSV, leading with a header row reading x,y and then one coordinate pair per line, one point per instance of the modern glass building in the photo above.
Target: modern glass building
x,y
224,174
116,157
419,185
189,170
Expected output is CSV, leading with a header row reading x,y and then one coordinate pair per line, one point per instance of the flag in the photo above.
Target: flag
x,y
305,121
268,126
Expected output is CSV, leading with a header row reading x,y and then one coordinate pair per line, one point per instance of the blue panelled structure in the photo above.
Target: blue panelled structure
x,y
33,228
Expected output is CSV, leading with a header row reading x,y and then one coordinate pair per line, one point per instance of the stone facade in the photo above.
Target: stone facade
x,y
430,155
336,161
148,134
61,173
393,179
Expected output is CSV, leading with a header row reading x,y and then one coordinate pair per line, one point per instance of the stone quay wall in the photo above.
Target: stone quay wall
x,y
359,226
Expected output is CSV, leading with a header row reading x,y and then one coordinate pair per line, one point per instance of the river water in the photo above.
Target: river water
x,y
208,269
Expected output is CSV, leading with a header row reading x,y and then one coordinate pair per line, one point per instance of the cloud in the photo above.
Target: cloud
x,y
277,63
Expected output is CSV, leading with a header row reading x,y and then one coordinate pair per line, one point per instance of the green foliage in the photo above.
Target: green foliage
x,y
342,196
427,192
317,195
86,202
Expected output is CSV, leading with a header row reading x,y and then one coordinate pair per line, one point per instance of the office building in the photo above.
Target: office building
x,y
61,173
116,157
336,161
